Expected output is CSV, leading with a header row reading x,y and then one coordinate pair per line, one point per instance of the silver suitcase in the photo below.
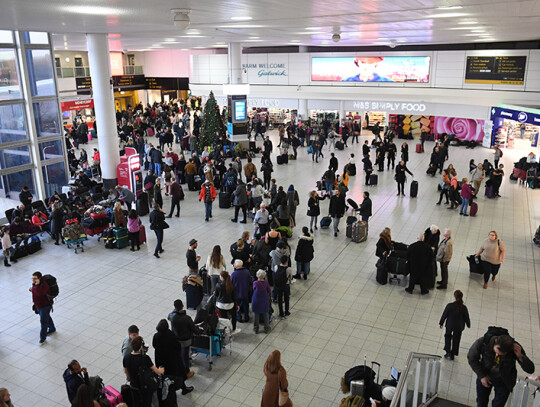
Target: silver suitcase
x,y
357,388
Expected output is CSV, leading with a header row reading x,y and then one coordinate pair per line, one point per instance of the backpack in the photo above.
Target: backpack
x,y
352,401
149,381
494,331
280,280
53,286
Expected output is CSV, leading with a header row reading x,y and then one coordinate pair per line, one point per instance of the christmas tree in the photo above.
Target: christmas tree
x,y
212,126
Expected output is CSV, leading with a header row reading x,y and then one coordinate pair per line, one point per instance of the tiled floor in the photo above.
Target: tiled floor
x,y
339,315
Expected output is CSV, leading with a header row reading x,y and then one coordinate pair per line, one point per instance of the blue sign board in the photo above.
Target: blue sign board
x,y
519,116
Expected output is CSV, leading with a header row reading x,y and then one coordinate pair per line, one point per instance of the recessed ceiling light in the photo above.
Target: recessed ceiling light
x,y
193,31
447,15
170,40
241,18
184,49
468,22
198,47
249,40
478,30
449,7
313,28
310,33
240,26
294,41
254,38
96,10
191,36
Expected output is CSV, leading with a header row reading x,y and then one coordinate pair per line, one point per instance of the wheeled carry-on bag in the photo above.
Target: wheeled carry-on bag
x,y
121,236
475,265
280,159
359,231
373,179
419,148
114,397
325,222
414,189
474,209
382,272
142,234
224,200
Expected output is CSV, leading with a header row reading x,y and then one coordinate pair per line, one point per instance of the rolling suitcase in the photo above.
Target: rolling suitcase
x,y
224,200
373,179
126,394
121,236
142,204
340,145
348,230
351,220
490,192
285,159
474,209
414,189
419,148
352,170
475,266
359,232
280,159
142,234
114,397
325,222
382,272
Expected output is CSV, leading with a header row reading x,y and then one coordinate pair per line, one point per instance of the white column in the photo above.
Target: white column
x,y
100,72
303,109
235,63
341,111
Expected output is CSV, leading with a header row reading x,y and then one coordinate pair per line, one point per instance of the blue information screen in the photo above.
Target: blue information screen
x,y
240,110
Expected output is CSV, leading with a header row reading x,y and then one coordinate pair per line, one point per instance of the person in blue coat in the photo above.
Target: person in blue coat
x,y
74,377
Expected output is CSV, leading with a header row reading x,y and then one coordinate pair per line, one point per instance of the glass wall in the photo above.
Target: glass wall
x,y
29,117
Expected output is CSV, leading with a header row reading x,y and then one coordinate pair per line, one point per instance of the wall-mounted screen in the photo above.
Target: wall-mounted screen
x,y
370,69
496,70
240,110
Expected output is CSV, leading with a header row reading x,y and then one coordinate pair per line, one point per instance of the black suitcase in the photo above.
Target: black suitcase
x,y
373,179
142,204
432,170
33,245
285,158
280,159
382,272
203,274
414,189
352,170
224,200
126,394
19,252
474,267
325,222
340,145
351,220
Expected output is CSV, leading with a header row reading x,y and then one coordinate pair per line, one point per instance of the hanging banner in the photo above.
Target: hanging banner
x,y
77,104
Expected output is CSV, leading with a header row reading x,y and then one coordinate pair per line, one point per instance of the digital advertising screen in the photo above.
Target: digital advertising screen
x,y
496,70
240,110
370,69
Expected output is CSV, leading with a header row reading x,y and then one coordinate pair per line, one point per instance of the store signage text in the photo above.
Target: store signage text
x,y
390,106
520,116
270,69
263,102
77,105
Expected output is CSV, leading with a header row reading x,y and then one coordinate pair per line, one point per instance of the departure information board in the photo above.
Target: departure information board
x,y
496,70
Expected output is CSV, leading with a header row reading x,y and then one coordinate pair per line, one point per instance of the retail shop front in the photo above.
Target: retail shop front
x,y
280,111
515,128
78,109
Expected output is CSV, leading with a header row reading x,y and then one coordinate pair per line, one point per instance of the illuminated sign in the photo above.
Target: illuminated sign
x,y
370,69
77,104
117,63
496,70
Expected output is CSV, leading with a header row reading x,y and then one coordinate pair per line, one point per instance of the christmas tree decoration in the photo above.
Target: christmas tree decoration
x,y
212,126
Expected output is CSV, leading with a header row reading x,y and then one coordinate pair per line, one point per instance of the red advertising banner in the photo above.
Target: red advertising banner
x,y
77,104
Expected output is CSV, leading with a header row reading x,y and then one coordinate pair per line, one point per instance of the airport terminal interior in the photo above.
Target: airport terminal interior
x,y
418,67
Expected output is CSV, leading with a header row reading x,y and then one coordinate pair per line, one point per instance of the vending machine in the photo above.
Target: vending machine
x,y
129,171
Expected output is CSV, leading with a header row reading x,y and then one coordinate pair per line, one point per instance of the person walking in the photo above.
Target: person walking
x,y
134,226
329,179
158,225
42,305
491,253
208,193
276,382
337,209
493,358
176,197
240,201
443,256
405,152
158,198
466,196
444,187
260,302
401,177
304,254
314,209
456,316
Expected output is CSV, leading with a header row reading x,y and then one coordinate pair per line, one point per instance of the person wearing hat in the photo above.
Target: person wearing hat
x,y
191,255
388,394
208,193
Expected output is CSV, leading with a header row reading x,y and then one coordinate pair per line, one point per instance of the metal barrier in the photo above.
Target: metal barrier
x,y
423,372
525,393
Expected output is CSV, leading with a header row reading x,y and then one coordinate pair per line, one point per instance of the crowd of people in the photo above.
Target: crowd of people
x,y
262,272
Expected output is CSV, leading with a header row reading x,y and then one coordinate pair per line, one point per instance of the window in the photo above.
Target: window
x,y
12,123
40,72
55,177
51,149
14,157
35,37
6,37
9,76
12,184
47,118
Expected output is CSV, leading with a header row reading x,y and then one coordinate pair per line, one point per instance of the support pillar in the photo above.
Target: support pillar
x,y
100,72
341,111
303,109
235,63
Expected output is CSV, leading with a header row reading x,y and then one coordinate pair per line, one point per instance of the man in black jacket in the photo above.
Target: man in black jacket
x,y
333,162
184,328
365,207
419,262
493,359
191,255
74,377
337,209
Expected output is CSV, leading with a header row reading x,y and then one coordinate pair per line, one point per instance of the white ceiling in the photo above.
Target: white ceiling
x,y
141,24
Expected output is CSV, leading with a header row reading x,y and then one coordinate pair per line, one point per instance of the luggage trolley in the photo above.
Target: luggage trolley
x,y
210,345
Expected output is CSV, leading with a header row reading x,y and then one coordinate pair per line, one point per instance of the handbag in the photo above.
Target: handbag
x,y
284,400
148,185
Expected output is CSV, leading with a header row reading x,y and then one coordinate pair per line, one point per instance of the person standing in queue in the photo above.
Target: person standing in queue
x,y
158,225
